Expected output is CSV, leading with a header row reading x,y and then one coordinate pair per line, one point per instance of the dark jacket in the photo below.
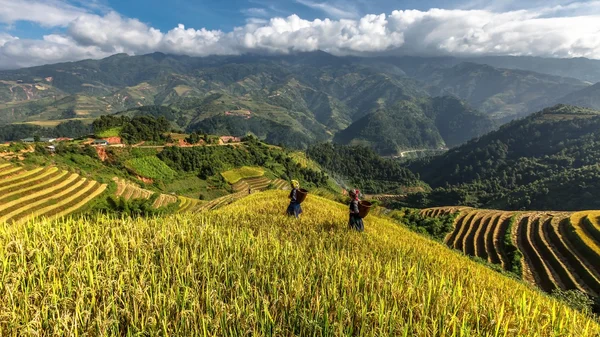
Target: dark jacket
x,y
294,196
354,207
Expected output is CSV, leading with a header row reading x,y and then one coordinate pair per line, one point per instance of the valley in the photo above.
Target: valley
x,y
389,104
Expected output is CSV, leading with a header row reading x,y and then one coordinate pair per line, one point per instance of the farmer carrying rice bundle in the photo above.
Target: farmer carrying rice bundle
x,y
294,209
355,222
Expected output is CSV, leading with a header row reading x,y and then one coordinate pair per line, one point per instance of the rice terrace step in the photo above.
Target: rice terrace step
x,y
560,250
42,192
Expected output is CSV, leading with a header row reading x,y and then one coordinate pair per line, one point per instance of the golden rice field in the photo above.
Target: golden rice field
x,y
130,191
47,192
246,269
561,250
260,184
244,172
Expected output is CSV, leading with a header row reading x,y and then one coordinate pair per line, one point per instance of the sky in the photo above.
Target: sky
x,y
35,32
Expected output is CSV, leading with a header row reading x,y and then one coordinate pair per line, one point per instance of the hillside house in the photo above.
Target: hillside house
x,y
229,139
100,142
63,139
42,140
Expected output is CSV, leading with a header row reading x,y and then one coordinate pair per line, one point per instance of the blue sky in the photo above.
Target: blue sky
x,y
227,14
43,31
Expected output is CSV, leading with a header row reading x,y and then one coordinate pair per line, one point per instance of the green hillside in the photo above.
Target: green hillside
x,y
360,167
503,94
247,268
546,161
295,100
427,123
588,97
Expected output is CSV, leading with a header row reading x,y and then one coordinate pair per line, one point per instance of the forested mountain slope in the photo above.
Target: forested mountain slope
x,y
588,97
295,99
546,161
426,123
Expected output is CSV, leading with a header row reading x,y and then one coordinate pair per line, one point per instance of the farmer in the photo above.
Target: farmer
x,y
294,208
356,222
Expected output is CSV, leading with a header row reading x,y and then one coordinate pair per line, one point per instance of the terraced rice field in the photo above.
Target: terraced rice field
x,y
259,184
222,201
385,197
189,204
280,184
42,192
560,250
130,191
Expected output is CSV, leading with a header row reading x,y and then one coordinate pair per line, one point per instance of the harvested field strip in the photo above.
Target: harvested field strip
x,y
158,202
27,209
77,204
569,255
57,204
587,239
595,219
500,247
548,259
258,183
21,177
547,250
533,261
466,224
479,239
193,205
280,184
10,172
5,165
590,229
120,188
138,193
48,174
183,203
490,248
468,244
47,183
33,197
129,190
164,200
240,186
586,254
458,223
216,203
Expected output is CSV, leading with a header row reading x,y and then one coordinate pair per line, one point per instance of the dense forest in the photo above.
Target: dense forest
x,y
209,161
552,154
423,123
361,167
16,132
136,129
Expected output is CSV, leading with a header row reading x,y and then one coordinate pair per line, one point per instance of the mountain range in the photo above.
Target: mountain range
x,y
390,104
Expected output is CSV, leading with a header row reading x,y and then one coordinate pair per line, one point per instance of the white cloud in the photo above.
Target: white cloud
x,y
433,32
331,9
44,12
4,38
255,12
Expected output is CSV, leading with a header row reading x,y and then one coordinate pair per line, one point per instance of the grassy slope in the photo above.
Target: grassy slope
x,y
247,269
113,132
235,175
150,167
